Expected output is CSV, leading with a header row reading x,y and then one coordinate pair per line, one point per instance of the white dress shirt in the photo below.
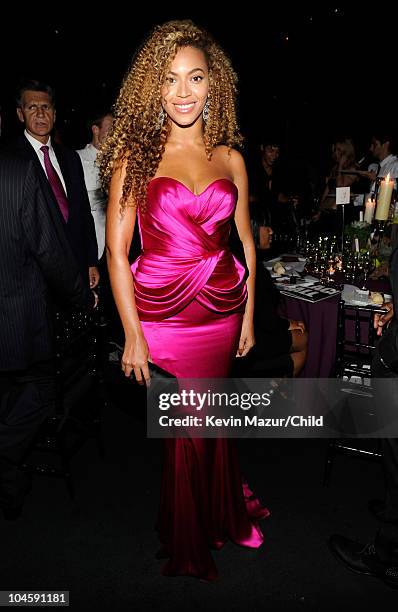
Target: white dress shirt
x,y
96,195
36,144
389,165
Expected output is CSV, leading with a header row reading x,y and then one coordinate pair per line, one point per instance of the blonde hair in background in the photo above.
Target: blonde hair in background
x,y
346,148
137,137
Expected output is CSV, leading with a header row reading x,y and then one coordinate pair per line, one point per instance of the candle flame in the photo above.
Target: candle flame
x,y
388,178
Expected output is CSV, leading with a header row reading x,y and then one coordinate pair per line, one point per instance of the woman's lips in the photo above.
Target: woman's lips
x,y
184,108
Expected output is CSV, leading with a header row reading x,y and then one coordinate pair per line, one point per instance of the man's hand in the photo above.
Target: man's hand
x,y
93,276
383,320
96,299
370,174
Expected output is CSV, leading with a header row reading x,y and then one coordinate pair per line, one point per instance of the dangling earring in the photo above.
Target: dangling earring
x,y
161,118
205,111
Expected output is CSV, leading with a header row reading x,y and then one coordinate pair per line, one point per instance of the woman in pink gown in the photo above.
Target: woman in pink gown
x,y
185,304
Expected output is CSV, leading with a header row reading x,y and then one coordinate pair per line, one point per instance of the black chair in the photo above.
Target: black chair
x,y
356,341
80,398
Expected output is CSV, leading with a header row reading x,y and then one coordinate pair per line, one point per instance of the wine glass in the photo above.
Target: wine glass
x,y
364,267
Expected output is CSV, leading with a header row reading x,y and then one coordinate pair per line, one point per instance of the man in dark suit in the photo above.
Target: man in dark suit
x,y
34,258
60,174
379,557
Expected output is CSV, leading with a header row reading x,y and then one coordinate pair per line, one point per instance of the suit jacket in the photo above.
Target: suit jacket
x,y
80,229
34,257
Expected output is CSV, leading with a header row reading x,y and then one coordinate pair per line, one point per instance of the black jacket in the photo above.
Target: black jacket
x,y
79,229
34,257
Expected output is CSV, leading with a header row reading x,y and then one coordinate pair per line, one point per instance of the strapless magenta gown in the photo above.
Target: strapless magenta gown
x,y
190,295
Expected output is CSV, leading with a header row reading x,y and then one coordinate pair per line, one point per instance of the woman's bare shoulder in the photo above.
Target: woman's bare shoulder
x,y
233,159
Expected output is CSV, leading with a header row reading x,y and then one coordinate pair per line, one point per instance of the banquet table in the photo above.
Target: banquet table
x,y
321,319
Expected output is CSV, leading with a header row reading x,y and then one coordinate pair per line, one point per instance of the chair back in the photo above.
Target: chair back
x,y
356,340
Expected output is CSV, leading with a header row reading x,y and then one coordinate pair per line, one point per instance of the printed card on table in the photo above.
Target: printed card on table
x,y
342,195
313,293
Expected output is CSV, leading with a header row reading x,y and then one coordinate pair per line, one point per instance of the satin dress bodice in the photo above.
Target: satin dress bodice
x,y
185,253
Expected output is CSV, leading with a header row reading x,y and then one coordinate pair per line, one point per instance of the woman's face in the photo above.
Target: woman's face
x,y
186,86
265,236
338,151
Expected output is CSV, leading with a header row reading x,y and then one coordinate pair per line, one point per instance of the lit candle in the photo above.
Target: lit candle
x,y
361,215
384,199
356,245
369,210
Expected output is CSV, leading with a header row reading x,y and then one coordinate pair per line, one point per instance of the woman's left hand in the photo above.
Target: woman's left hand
x,y
247,340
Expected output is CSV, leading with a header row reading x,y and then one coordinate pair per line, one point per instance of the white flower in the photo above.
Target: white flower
x,y
360,224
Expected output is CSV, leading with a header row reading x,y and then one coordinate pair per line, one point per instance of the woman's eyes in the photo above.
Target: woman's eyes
x,y
196,79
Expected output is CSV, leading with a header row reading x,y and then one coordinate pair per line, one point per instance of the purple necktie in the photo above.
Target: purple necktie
x,y
56,184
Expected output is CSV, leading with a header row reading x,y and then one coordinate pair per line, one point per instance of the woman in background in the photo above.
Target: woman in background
x,y
328,218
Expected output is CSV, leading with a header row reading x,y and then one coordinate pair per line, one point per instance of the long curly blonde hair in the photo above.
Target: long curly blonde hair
x,y
138,137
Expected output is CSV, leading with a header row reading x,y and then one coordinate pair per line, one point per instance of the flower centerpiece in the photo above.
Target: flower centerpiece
x,y
360,230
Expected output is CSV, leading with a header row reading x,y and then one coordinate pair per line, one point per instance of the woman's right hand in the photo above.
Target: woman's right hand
x,y
135,359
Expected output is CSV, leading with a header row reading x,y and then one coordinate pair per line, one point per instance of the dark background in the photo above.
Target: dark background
x,y
307,74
